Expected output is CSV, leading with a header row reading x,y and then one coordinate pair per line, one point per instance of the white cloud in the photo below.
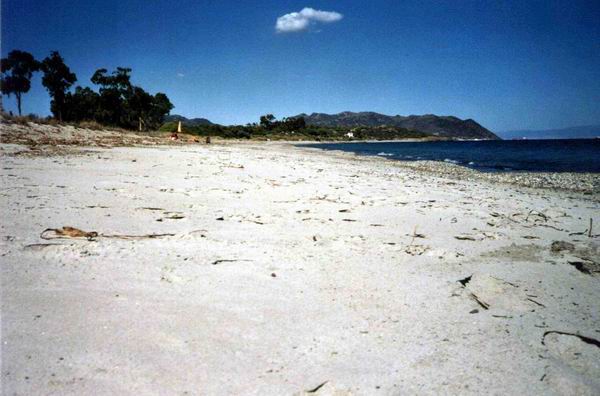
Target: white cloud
x,y
180,75
299,21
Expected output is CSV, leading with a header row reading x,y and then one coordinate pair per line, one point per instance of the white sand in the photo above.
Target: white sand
x,y
327,283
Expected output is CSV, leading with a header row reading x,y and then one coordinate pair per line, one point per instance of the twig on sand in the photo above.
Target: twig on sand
x,y
535,302
150,236
465,238
40,246
537,213
227,261
588,231
316,388
587,340
464,282
416,235
481,303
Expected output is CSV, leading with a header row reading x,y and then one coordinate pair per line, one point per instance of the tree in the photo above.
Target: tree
x,y
119,80
267,120
147,111
81,105
139,105
161,106
118,102
115,90
291,124
57,79
144,110
17,70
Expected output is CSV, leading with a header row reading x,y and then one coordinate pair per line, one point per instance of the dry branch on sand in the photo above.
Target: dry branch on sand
x,y
72,232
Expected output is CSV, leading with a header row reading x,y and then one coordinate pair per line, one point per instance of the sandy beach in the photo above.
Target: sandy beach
x,y
268,269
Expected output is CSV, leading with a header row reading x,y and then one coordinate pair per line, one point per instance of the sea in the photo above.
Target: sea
x,y
564,155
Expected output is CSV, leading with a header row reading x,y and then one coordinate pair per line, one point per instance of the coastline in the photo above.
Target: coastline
x,y
586,183
291,268
40,139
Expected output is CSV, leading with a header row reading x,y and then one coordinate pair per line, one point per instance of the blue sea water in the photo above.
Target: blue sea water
x,y
566,155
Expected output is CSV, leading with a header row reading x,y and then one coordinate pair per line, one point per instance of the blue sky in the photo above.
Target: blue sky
x,y
506,64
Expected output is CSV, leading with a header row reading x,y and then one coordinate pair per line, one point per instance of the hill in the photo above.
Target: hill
x,y
187,121
580,132
443,126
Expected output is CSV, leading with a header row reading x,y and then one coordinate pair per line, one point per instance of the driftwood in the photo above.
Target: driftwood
x,y
68,232
72,232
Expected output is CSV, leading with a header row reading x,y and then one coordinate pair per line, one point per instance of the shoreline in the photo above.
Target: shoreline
x,y
41,139
585,183
51,139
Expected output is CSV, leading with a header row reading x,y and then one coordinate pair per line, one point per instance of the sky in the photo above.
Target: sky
x,y
506,64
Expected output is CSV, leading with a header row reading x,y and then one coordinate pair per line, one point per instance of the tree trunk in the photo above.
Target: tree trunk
x,y
18,95
60,101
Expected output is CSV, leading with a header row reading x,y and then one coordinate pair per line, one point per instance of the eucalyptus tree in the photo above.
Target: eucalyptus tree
x,y
57,79
17,69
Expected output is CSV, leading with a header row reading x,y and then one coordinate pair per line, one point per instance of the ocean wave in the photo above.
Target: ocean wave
x,y
451,161
383,154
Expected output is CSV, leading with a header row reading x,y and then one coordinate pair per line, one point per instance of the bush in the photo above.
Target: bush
x,y
168,127
21,120
93,125
24,120
50,121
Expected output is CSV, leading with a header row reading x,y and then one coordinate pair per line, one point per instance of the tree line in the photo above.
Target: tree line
x,y
294,128
269,126
287,124
117,102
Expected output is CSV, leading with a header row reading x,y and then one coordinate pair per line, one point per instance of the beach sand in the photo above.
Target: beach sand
x,y
287,270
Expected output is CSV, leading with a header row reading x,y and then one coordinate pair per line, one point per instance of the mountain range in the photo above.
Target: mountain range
x,y
187,121
580,132
442,126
